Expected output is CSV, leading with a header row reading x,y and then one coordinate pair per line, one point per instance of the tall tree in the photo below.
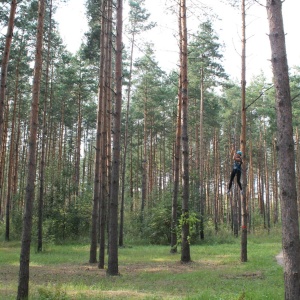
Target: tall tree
x,y
11,162
44,140
176,164
5,60
97,174
113,268
23,287
137,18
206,72
185,246
243,140
285,148
105,136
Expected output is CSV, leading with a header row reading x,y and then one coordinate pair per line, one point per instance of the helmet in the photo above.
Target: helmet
x,y
239,152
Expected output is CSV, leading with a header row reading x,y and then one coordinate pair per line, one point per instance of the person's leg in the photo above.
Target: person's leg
x,y
238,179
231,179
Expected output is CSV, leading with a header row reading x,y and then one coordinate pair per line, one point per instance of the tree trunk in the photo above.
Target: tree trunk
x,y
297,152
251,188
106,149
97,172
267,190
235,219
3,149
78,146
13,155
176,173
103,149
244,212
144,161
275,183
11,160
61,139
5,60
286,156
121,230
44,143
3,78
23,286
201,156
176,157
185,246
216,184
113,268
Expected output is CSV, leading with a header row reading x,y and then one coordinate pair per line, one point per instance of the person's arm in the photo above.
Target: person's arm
x,y
237,157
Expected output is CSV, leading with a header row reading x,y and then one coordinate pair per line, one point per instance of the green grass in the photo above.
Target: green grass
x,y
62,272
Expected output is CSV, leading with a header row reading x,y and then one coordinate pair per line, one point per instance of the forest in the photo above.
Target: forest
x,y
103,149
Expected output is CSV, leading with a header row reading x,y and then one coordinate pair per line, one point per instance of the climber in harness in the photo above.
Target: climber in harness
x,y
237,170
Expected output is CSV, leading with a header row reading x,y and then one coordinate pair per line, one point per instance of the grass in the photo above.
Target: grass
x,y
62,272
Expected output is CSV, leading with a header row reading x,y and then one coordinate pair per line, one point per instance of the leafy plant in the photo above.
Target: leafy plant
x,y
190,219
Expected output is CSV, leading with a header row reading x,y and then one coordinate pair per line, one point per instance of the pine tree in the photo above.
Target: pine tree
x,y
285,146
23,287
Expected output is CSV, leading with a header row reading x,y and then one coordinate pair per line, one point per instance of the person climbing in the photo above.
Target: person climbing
x,y
237,169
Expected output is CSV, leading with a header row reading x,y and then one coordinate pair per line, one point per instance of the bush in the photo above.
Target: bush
x,y
158,225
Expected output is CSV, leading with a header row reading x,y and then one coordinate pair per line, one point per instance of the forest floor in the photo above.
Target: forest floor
x,y
51,279
149,272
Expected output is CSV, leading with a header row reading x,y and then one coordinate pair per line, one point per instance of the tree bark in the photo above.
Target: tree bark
x,y
176,173
285,148
5,60
78,146
23,286
103,149
185,246
121,233
176,158
244,213
3,78
267,191
11,160
201,156
97,173
13,154
275,182
144,159
44,143
113,268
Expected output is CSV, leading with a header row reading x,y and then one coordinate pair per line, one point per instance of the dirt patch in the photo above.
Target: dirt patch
x,y
90,273
54,274
250,275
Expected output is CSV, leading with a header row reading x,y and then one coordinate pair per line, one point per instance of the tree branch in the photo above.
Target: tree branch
x,y
261,94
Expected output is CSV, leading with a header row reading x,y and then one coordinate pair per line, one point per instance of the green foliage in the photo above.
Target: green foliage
x,y
158,224
224,235
138,18
153,228
16,224
71,222
153,225
61,221
190,219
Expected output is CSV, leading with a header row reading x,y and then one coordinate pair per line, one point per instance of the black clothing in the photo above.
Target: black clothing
x,y
237,172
